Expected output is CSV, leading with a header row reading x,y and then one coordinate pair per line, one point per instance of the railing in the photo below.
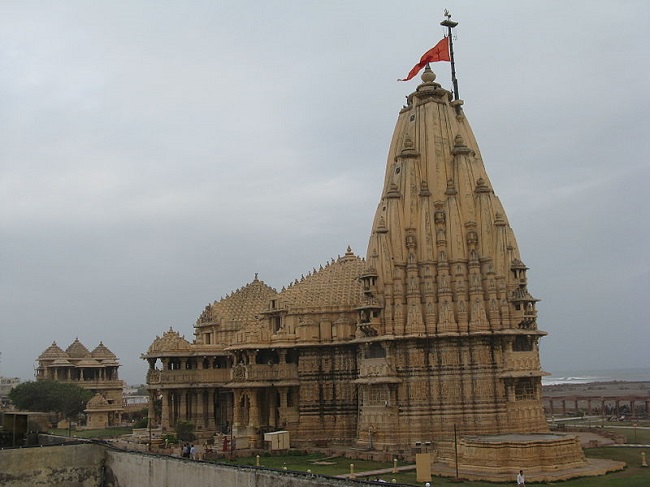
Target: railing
x,y
272,372
93,383
522,361
375,367
191,376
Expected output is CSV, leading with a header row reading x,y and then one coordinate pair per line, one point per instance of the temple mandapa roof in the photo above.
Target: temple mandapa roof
x,y
239,309
335,285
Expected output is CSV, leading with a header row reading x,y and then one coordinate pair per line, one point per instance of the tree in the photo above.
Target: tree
x,y
185,431
69,400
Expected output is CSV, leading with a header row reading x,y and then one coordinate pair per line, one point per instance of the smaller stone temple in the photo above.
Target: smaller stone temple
x,y
95,370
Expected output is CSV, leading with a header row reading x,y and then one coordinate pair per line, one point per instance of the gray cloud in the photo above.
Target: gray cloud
x,y
155,156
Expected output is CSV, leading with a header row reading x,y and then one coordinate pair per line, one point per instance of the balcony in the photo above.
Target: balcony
x,y
94,383
265,373
520,361
375,371
192,376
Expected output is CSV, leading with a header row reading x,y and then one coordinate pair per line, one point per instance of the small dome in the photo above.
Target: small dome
x,y
171,341
428,76
52,352
101,352
61,362
97,402
88,362
77,350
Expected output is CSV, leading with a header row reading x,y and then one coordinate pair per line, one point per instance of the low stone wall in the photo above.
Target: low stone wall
x,y
90,465
61,466
125,469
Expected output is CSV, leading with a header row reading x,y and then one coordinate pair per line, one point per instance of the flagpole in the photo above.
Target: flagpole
x,y
450,24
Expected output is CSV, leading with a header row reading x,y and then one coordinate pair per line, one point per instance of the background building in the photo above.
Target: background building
x,y
96,371
6,385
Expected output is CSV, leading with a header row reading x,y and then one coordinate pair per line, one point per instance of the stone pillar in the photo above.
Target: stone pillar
x,y
284,394
211,411
151,414
236,419
182,403
200,409
166,403
254,413
273,409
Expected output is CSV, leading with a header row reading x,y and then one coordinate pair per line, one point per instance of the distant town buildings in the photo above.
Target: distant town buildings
x,y
6,385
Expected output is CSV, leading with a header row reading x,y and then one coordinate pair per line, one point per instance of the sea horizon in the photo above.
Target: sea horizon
x,y
585,376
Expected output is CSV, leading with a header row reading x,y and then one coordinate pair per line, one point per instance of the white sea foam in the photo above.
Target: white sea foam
x,y
605,375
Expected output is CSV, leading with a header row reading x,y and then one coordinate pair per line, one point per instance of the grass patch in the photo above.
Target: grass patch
x,y
302,463
638,436
633,476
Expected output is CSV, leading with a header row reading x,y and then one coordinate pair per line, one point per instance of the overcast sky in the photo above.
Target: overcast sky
x,y
155,155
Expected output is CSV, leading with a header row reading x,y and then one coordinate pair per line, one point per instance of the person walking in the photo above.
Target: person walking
x,y
521,481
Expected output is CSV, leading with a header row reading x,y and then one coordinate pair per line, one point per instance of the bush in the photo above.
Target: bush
x,y
185,431
170,438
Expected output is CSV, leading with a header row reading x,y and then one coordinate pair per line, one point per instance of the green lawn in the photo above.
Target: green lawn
x,y
639,435
636,436
633,476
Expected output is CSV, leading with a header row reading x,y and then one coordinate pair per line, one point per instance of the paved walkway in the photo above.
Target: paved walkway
x,y
376,473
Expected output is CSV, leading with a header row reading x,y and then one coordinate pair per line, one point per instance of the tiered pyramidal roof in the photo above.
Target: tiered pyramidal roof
x,y
441,257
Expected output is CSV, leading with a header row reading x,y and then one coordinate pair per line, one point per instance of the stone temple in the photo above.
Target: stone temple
x,y
95,370
432,339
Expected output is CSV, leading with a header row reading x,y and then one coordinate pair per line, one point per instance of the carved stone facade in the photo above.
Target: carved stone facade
x,y
96,371
434,332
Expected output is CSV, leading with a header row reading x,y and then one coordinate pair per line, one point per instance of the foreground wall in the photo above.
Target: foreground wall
x,y
61,466
95,465
140,470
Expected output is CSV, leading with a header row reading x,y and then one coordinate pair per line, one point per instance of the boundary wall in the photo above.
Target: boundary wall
x,y
92,465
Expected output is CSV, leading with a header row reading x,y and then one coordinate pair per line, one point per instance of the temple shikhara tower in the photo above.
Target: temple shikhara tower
x,y
445,305
432,339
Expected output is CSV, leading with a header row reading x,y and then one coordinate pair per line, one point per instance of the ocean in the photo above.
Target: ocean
x,y
637,374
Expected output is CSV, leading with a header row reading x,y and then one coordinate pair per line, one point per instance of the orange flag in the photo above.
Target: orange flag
x,y
439,52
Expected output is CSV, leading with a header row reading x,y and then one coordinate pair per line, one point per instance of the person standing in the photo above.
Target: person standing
x,y
521,481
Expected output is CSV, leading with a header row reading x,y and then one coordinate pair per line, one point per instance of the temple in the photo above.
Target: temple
x,y
432,337
96,371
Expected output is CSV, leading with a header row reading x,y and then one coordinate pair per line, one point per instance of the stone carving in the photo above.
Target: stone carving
x,y
441,252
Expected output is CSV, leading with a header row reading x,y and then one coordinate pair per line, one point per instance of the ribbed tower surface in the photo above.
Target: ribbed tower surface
x,y
444,281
